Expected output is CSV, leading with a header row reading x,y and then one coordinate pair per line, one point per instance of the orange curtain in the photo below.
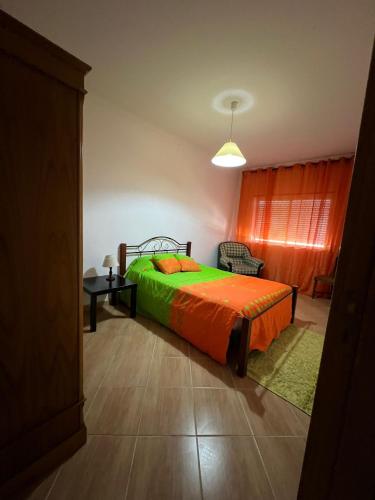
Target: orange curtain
x,y
293,217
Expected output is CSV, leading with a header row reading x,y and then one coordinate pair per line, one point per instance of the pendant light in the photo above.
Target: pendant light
x,y
229,155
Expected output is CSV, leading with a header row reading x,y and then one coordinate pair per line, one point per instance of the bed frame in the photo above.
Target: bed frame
x,y
164,244
158,244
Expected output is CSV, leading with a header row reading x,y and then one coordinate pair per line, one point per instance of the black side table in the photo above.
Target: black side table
x,y
100,286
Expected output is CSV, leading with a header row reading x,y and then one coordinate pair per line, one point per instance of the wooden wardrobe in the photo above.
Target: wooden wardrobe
x,y
41,399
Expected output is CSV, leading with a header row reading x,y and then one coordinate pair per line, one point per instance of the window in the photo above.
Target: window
x,y
295,222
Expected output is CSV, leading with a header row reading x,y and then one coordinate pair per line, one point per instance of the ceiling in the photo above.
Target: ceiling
x,y
305,65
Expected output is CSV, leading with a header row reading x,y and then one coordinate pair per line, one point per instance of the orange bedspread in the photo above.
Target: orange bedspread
x,y
205,313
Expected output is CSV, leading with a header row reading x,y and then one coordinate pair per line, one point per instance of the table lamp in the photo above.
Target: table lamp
x,y
110,261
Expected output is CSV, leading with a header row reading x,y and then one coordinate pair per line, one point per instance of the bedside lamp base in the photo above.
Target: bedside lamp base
x,y
110,277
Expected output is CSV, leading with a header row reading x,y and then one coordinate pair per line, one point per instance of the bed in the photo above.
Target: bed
x,y
204,307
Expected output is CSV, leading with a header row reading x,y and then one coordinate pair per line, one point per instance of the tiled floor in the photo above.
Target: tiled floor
x,y
167,422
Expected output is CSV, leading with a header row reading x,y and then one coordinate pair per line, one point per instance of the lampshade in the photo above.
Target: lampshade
x,y
110,261
229,156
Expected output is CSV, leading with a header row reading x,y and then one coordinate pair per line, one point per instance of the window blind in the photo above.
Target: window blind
x,y
295,222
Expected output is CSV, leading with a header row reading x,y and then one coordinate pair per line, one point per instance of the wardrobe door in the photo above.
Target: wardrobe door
x,y
40,269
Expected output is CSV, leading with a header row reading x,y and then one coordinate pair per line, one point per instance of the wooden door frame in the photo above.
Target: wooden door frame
x,y
339,458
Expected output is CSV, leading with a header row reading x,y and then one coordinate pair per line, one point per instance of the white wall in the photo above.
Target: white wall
x,y
140,181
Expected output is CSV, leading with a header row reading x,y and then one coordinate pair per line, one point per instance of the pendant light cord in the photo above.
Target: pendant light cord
x,y
233,106
231,127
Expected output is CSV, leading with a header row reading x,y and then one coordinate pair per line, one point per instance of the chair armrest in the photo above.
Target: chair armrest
x,y
225,262
254,262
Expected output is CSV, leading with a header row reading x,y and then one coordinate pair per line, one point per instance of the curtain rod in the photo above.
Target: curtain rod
x,y
300,162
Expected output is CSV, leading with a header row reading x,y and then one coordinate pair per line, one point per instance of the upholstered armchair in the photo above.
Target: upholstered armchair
x,y
236,258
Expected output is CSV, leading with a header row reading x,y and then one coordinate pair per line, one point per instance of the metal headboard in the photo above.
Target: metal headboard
x,y
158,244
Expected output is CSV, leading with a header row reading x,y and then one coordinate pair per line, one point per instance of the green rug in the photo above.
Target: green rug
x,y
290,366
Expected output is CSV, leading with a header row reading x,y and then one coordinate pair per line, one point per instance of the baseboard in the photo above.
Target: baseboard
x,y
14,487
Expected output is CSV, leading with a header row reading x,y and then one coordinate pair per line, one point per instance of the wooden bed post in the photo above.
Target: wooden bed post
x,y
188,248
122,258
244,347
294,301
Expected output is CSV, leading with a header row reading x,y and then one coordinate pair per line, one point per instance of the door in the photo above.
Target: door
x,y
339,458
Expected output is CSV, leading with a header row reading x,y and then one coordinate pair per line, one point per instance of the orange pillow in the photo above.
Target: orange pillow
x,y
168,265
189,265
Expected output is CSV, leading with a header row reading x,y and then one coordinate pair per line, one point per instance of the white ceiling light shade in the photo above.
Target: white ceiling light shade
x,y
230,154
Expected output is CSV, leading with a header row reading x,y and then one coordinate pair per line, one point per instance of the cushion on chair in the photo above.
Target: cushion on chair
x,y
234,249
246,269
237,257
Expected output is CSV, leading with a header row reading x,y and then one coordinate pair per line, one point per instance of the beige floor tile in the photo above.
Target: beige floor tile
x,y
304,420
92,379
117,326
109,321
170,344
97,357
170,372
86,339
218,412
135,341
149,324
283,459
128,371
119,361
168,411
231,468
270,415
98,471
165,468
243,382
312,313
99,348
208,373
115,411
39,490
196,353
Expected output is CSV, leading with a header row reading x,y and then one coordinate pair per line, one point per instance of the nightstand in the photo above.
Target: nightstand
x,y
98,285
